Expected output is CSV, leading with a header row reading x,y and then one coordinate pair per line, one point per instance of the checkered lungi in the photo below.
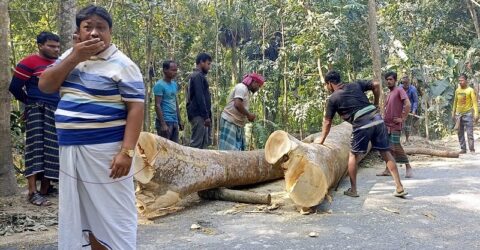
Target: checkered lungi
x,y
396,148
41,151
232,136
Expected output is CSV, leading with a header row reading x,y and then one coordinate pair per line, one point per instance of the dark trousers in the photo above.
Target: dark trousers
x,y
466,123
200,133
172,132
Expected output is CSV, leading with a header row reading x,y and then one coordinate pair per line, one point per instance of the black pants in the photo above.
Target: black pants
x,y
172,132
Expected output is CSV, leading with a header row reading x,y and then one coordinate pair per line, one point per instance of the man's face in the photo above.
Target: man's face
x,y
390,81
205,66
329,87
405,82
172,71
50,49
254,86
462,81
95,27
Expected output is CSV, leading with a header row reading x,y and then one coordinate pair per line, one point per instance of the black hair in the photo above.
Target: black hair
x,y
203,57
333,77
166,64
464,76
391,74
44,36
91,10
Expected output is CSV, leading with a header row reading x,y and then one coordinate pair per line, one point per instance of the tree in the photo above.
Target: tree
x,y
8,184
66,23
375,48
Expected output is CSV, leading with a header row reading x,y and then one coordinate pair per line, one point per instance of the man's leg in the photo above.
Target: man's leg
x,y
461,135
388,158
32,184
199,133
174,131
469,128
352,171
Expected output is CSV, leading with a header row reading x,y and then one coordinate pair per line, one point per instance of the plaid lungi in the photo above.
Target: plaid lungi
x,y
232,136
396,148
41,151
407,125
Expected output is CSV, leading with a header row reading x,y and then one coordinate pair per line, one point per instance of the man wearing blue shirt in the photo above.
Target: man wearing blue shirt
x,y
168,122
413,97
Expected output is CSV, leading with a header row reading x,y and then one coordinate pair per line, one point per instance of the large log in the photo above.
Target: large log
x,y
311,169
167,172
431,152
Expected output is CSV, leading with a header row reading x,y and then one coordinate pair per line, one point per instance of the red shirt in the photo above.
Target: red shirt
x,y
394,108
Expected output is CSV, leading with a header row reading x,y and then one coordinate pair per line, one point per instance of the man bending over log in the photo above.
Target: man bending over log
x,y
236,114
351,103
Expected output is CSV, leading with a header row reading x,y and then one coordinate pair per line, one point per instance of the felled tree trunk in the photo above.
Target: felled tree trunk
x,y
167,171
432,152
311,169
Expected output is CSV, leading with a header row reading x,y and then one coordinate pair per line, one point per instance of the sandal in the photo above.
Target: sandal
x,y
38,200
350,193
400,194
52,191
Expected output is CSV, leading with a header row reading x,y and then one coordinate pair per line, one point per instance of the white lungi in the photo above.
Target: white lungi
x,y
106,210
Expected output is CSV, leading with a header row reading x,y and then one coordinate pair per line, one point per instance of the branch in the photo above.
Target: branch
x,y
473,1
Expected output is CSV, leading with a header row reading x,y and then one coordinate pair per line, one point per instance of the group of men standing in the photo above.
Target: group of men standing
x,y
199,105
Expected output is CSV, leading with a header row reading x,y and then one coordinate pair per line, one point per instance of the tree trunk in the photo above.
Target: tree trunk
x,y
148,65
167,171
311,169
8,183
432,152
66,23
473,14
374,47
225,194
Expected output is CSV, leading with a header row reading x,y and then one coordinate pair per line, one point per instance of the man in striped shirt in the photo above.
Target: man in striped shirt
x,y
99,118
41,150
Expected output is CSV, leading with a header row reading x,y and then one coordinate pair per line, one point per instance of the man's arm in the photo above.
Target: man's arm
x,y
159,111
16,88
475,105
52,78
415,102
238,104
406,108
327,124
121,163
377,90
180,124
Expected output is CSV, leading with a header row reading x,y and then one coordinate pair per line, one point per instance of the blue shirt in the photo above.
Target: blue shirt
x,y
412,96
92,107
168,92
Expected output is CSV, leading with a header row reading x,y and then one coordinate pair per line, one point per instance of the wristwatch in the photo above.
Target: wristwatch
x,y
129,152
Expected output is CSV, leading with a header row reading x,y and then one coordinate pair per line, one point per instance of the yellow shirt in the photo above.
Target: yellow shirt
x,y
465,101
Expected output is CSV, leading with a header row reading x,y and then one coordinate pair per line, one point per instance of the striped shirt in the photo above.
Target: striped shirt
x,y
24,85
92,107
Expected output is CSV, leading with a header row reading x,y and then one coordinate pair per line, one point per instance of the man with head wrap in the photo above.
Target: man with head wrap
x,y
236,114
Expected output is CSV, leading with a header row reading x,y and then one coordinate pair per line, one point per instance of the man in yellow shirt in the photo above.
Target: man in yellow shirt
x,y
465,111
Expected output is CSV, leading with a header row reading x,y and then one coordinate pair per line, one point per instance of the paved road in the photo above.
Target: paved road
x,y
441,212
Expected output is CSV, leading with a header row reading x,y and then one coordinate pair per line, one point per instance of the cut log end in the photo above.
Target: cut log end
x,y
277,146
306,184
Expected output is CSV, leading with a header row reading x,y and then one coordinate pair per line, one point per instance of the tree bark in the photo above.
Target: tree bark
x,y
8,183
167,171
311,169
473,14
225,194
432,152
66,23
374,47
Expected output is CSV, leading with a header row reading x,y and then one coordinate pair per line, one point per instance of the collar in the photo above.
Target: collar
x,y
106,54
